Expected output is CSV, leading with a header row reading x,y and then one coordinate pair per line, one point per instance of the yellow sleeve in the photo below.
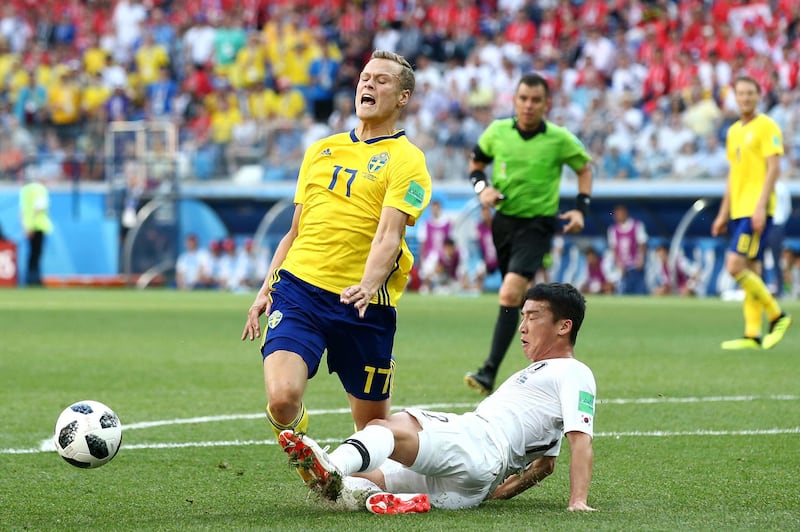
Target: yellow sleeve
x,y
772,139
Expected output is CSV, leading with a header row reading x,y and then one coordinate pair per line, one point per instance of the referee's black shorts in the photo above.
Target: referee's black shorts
x,y
522,243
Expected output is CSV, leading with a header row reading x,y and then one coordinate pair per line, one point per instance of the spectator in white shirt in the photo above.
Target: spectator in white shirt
x,y
674,135
128,17
628,77
774,249
198,41
713,72
193,268
601,50
714,162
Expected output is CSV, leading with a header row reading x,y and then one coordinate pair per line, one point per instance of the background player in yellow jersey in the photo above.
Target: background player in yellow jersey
x,y
754,146
336,276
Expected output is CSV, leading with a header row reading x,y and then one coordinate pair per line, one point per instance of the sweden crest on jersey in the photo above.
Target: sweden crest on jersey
x,y
377,162
274,319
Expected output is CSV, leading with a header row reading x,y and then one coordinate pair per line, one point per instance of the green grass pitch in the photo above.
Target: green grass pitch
x,y
688,436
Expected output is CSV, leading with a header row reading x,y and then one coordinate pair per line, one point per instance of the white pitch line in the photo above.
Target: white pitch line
x,y
712,399
663,433
433,406
616,435
46,445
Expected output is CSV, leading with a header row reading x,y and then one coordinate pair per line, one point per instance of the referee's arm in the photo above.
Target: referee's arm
x,y
487,194
576,218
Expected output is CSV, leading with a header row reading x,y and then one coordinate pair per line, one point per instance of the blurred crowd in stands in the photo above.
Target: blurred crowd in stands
x,y
247,84
221,265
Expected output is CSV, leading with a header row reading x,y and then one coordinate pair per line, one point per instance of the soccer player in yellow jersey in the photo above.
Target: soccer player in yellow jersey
x,y
754,146
336,276
150,57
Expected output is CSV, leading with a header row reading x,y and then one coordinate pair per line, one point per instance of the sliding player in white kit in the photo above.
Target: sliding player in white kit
x,y
509,443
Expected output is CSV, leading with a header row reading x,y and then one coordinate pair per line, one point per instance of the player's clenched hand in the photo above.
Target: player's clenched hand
x,y
490,196
574,219
252,328
359,296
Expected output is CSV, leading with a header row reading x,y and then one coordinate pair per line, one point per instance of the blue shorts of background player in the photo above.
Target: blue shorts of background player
x,y
744,242
307,320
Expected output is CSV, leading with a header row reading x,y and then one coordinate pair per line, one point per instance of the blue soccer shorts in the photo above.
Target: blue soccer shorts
x,y
307,320
744,241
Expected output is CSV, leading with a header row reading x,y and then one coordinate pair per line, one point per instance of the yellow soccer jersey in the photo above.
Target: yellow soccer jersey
x,y
249,68
222,124
748,145
94,96
257,103
149,59
64,101
344,184
94,60
290,104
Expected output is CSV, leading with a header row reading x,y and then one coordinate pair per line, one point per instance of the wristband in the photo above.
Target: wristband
x,y
582,202
477,176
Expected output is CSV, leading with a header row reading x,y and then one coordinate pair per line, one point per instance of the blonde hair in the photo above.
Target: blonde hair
x,y
407,80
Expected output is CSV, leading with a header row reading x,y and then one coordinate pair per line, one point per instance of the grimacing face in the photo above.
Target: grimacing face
x,y
378,94
530,106
537,330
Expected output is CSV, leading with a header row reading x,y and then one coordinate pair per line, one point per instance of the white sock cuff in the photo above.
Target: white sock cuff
x,y
365,450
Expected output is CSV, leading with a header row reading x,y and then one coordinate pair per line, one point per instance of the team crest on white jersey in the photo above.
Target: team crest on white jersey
x,y
274,319
377,162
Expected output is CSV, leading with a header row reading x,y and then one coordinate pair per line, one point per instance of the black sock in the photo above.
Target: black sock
x,y
504,330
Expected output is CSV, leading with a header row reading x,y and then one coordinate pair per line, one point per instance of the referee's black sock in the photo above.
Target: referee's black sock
x,y
504,330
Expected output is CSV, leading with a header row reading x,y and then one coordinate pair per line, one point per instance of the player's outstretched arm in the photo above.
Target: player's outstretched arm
x,y
580,470
263,301
380,260
536,471
576,218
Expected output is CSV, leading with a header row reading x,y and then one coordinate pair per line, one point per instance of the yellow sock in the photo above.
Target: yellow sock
x,y
752,316
754,286
298,424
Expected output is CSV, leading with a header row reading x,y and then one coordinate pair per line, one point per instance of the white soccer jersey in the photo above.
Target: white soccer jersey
x,y
462,458
534,407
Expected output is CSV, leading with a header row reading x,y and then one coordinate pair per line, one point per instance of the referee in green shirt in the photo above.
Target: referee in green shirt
x,y
527,154
34,206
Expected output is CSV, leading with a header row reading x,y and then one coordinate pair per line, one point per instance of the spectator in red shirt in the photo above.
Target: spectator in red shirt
x,y
788,67
683,72
465,17
522,31
726,43
650,44
594,13
549,29
197,81
656,83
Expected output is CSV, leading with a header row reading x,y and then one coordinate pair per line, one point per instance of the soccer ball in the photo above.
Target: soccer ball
x,y
88,434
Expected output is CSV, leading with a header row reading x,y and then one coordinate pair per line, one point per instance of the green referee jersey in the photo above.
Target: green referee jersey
x,y
528,172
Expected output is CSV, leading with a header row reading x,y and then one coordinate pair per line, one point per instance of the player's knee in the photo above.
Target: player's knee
x,y
510,298
510,294
284,409
381,422
401,424
735,264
